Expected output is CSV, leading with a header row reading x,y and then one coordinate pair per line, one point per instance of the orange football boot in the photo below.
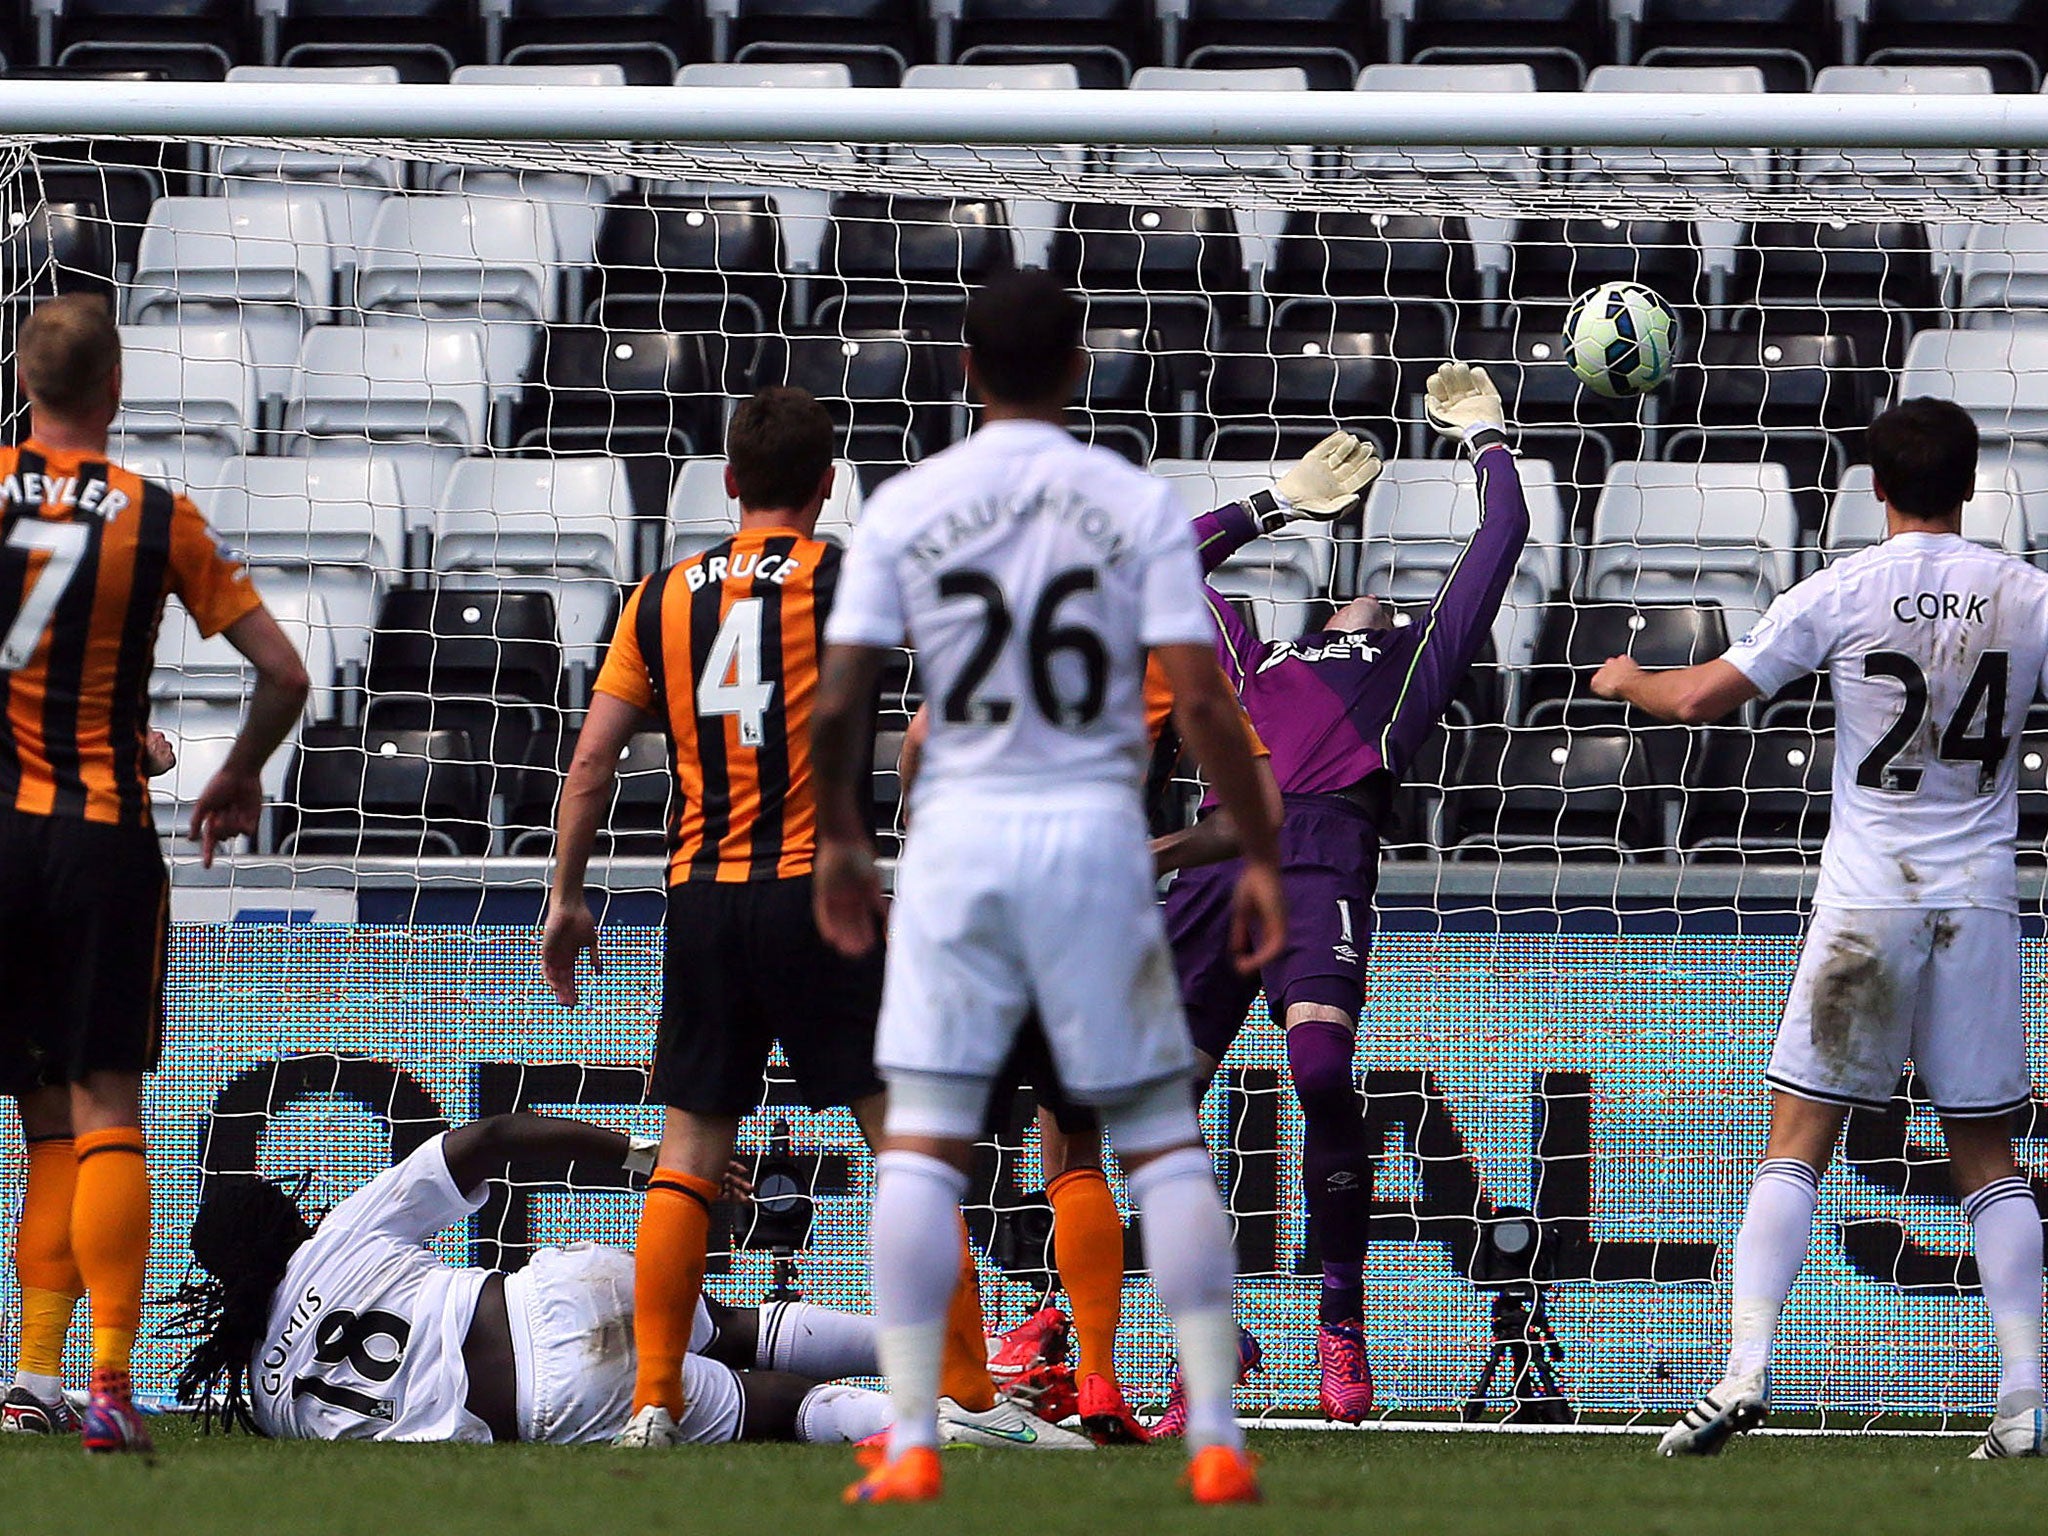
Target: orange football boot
x,y
1219,1475
912,1478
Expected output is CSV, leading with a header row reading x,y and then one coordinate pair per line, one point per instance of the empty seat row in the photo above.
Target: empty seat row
x,y
1103,41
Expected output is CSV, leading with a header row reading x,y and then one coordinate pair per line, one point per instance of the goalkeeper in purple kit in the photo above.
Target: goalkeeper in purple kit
x,y
1345,711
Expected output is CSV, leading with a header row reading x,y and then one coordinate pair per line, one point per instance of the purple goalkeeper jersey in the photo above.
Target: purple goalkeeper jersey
x,y
1337,708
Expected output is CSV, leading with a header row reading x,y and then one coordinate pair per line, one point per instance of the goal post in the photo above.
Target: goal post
x,y
450,365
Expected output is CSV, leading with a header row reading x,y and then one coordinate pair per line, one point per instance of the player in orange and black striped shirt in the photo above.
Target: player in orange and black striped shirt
x,y
720,652
88,554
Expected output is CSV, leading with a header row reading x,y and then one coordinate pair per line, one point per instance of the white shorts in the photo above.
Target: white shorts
x,y
1002,906
572,1343
1878,985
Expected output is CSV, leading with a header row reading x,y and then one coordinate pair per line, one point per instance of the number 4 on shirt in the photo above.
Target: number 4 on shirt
x,y
731,683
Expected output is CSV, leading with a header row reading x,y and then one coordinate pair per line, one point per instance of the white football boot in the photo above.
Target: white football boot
x,y
2015,1434
652,1426
1007,1424
1731,1409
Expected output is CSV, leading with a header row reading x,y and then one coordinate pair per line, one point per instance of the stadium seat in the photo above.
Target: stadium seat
x,y
354,792
333,526
486,662
2005,268
1999,375
646,40
700,514
189,668
1576,639
418,390
649,397
1555,260
1272,393
1104,40
189,392
56,248
559,526
882,388
1998,515
1033,221
203,732
1554,794
111,192
1419,516
2007,37
1328,40
1786,39
1126,396
1558,39
1284,578
1759,794
907,263
421,40
1402,275
175,39
1871,282
261,264
1699,533
635,825
1161,268
691,263
573,199
478,259
2033,779
348,186
877,40
1801,400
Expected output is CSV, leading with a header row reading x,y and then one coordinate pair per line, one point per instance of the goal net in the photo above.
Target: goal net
x,y
451,368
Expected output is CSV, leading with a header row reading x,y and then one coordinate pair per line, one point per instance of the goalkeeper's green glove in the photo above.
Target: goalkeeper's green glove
x,y
1324,485
1464,406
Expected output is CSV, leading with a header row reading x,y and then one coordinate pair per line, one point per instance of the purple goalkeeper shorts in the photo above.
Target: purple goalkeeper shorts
x,y
1329,868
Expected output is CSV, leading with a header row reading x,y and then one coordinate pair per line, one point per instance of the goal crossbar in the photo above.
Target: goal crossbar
x,y
596,114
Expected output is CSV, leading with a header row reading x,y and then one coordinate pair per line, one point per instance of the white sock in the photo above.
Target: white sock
x,y
917,1203
815,1341
2007,1226
46,1388
1776,1231
1188,1250
841,1415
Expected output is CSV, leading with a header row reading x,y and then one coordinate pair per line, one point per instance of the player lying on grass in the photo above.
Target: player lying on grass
x,y
1345,711
1935,647
352,1329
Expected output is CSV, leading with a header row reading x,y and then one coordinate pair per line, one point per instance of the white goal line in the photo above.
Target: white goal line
x,y
1460,1427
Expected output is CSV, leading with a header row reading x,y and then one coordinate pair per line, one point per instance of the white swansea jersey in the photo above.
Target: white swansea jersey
x,y
366,1331
1030,573
1936,646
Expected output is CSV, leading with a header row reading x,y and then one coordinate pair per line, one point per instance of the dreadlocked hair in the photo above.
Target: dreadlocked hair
x,y
243,1239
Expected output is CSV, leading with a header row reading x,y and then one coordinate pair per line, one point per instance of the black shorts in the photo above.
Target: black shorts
x,y
744,967
84,932
1030,1066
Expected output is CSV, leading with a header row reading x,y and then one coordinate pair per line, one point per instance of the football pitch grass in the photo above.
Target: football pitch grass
x,y
1315,1481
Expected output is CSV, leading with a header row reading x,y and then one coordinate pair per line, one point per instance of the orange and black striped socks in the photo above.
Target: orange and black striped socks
x,y
110,1238
50,1286
1088,1248
668,1277
963,1373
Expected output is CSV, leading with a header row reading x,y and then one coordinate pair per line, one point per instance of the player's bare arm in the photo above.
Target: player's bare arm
x,y
1685,695
586,795
847,888
1210,722
231,805
1215,837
